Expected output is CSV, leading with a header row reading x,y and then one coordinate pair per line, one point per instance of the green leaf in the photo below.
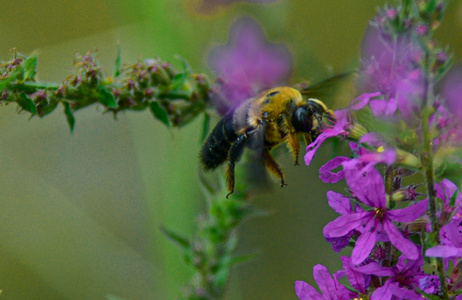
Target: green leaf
x,y
117,63
178,81
160,113
428,296
221,277
113,297
30,67
205,126
186,67
179,240
27,103
241,259
451,171
106,98
180,78
453,198
6,81
46,109
69,115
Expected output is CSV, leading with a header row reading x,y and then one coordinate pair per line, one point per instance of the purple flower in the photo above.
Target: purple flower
x,y
365,159
375,223
402,278
326,174
359,281
247,65
390,66
330,288
451,239
343,127
343,206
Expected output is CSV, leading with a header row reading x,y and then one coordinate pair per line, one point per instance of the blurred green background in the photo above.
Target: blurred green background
x,y
79,213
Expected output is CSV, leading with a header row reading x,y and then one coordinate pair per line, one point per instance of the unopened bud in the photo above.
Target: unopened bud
x,y
408,193
356,131
407,159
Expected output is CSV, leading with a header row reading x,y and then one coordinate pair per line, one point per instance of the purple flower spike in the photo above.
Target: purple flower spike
x,y
389,65
330,287
374,223
247,65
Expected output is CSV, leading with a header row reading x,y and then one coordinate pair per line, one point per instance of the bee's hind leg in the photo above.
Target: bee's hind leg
x,y
234,155
274,167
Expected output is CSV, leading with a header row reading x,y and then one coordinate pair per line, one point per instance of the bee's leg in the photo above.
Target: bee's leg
x,y
294,145
234,155
274,167
291,138
308,139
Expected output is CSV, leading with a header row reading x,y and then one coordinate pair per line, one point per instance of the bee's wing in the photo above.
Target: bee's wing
x,y
256,174
332,91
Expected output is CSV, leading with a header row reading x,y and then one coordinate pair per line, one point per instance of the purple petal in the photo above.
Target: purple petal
x,y
373,139
364,244
367,187
338,243
374,268
345,223
383,293
399,241
429,284
387,157
343,119
339,202
362,101
445,189
403,292
305,291
410,266
326,174
313,147
384,109
358,280
451,234
444,251
330,288
325,282
409,213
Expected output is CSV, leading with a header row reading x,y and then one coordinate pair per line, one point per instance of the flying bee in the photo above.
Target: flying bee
x,y
276,116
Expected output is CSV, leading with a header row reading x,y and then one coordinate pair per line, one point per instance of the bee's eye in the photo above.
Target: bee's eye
x,y
272,94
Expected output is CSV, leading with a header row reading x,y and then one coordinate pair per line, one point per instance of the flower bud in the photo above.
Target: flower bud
x,y
408,193
356,131
407,159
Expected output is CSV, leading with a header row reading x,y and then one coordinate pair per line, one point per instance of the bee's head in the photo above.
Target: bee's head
x,y
307,117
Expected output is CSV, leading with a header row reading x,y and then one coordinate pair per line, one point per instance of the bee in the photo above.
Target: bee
x,y
276,116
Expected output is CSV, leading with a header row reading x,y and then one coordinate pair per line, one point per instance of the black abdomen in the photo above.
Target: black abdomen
x,y
216,147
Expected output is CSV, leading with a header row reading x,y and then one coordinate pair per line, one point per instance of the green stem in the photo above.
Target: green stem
x,y
389,177
426,159
389,189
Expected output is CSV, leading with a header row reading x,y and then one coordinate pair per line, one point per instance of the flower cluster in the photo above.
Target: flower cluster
x,y
174,97
406,244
